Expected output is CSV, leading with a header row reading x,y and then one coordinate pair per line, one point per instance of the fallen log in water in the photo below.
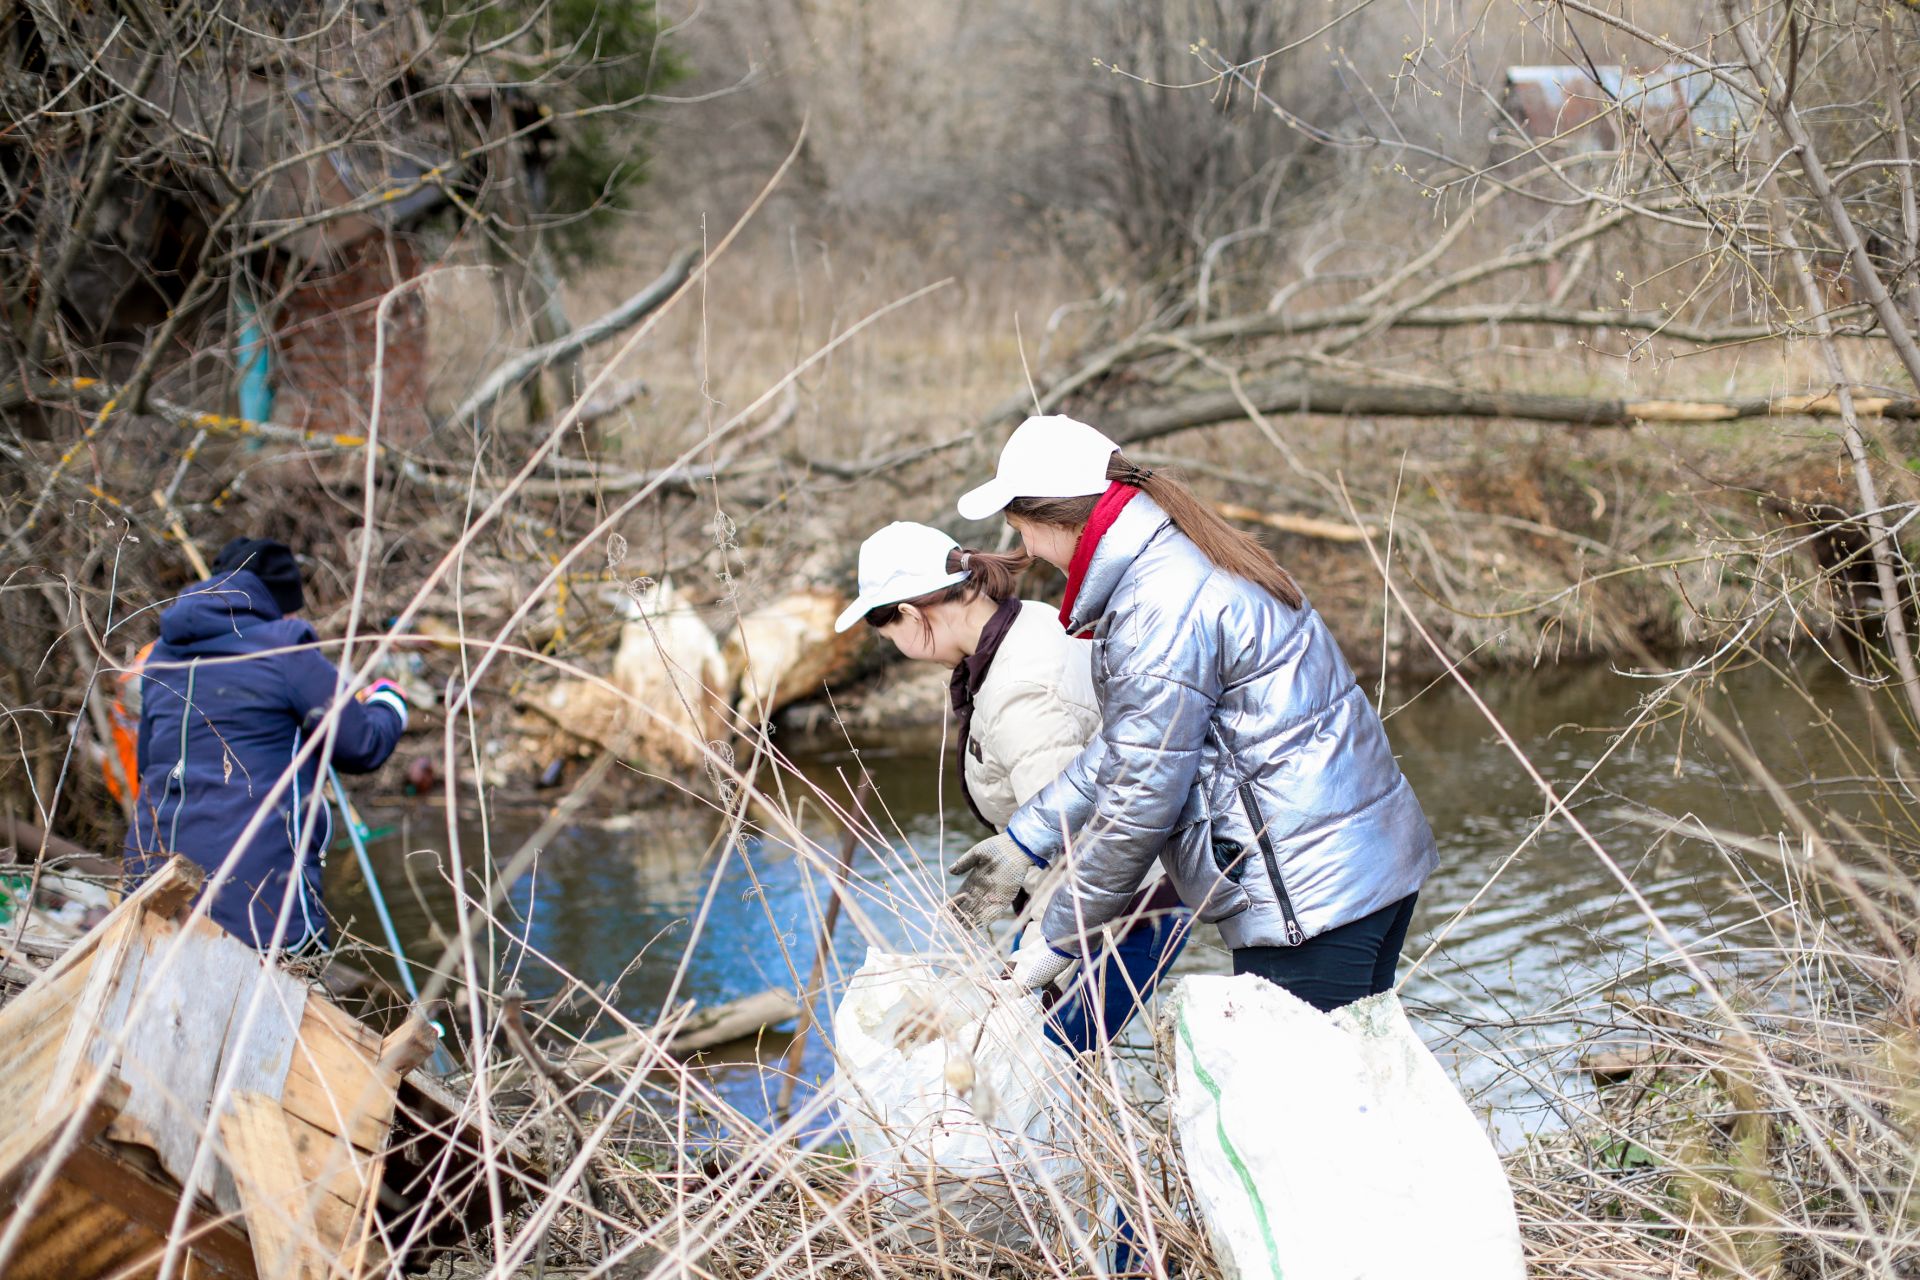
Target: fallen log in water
x,y
697,1032
701,1030
735,1020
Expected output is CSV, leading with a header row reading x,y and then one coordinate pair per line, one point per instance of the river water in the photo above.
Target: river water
x,y
1504,993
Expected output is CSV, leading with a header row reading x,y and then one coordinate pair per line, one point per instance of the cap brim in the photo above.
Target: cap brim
x,y
851,615
989,499
864,605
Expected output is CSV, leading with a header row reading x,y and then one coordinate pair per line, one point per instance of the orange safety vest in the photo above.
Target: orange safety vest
x,y
121,766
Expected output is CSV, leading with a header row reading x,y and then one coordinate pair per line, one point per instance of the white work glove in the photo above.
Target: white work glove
x,y
1036,965
994,870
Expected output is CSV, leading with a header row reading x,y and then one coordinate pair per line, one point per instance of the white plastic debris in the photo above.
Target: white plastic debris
x,y
1323,1146
948,1086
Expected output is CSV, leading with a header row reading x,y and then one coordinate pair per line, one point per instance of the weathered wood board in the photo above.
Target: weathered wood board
x,y
161,1052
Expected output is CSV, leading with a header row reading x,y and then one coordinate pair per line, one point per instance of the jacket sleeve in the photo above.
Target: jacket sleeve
x,y
1046,737
369,731
1041,823
1160,695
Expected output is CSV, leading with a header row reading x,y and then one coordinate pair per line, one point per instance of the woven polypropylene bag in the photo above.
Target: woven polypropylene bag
x,y
1331,1147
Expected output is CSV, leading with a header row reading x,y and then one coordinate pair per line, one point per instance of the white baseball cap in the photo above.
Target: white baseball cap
x,y
900,562
1051,457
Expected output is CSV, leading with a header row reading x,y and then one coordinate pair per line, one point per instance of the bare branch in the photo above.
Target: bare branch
x,y
591,334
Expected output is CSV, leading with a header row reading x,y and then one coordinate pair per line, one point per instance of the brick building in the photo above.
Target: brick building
x,y
323,340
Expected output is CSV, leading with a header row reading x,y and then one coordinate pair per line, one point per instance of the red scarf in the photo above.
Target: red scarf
x,y
1105,512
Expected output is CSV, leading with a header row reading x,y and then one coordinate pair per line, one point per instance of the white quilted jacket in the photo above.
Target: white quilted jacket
x,y
1031,715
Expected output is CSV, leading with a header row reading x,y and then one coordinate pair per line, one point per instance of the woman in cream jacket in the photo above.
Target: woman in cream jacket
x,y
1023,699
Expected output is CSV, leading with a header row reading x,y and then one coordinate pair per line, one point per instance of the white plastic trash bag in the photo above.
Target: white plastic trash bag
x,y
951,1087
1323,1146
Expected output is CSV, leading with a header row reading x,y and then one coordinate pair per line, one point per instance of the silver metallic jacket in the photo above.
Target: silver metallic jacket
x,y
1215,698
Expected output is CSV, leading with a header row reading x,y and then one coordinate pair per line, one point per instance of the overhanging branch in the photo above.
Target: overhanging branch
x,y
1062,384
1308,395
626,315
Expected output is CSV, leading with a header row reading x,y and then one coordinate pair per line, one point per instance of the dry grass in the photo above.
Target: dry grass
x,y
1763,1126
1770,1131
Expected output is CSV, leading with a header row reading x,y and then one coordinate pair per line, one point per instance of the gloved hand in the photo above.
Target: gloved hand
x,y
994,870
1036,965
385,693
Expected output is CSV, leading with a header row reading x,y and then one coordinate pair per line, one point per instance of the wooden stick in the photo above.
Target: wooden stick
x,y
179,531
1305,526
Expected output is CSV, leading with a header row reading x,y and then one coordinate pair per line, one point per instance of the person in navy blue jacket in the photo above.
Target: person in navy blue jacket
x,y
229,695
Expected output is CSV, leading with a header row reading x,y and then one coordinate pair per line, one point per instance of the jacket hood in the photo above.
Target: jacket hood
x,y
1138,523
221,606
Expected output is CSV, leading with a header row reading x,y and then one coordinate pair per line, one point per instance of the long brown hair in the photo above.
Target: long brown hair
x,y
1230,549
989,574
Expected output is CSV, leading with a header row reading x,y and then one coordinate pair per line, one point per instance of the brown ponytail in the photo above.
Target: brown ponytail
x,y
989,574
1233,550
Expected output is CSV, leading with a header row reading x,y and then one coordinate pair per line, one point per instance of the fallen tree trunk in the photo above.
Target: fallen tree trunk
x,y
1059,384
1309,395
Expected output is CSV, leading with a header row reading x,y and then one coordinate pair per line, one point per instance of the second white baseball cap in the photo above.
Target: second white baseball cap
x,y
900,562
1050,457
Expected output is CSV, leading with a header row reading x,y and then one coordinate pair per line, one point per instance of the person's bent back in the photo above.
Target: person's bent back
x,y
230,694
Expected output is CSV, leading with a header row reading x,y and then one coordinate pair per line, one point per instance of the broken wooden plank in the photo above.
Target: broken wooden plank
x,y
175,1012
330,1107
408,1046
273,1194
83,1017
165,892
183,1024
98,1221
101,1216
336,1080
25,1146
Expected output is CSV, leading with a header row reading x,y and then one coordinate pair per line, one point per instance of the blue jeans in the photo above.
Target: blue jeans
x,y
1101,1006
1105,1000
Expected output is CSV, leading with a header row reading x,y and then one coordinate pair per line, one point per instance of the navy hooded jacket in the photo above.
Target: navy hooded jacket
x,y
228,696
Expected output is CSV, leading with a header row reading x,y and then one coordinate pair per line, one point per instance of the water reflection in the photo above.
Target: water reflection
x,y
613,900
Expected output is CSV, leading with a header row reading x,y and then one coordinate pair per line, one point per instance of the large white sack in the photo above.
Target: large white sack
x,y
1331,1146
947,1084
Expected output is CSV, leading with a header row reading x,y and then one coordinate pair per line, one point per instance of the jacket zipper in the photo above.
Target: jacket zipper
x,y
1295,936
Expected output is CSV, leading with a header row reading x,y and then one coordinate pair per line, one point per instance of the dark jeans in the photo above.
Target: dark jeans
x,y
1344,964
1101,1004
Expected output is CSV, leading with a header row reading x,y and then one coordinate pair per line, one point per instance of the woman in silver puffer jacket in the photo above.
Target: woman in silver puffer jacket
x,y
1235,744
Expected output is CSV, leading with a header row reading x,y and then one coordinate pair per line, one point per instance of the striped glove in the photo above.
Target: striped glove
x,y
1036,964
385,693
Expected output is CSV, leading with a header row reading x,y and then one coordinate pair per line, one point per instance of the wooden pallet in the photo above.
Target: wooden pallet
x,y
114,1059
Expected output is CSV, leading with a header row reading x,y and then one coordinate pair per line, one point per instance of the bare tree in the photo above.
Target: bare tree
x,y
213,231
